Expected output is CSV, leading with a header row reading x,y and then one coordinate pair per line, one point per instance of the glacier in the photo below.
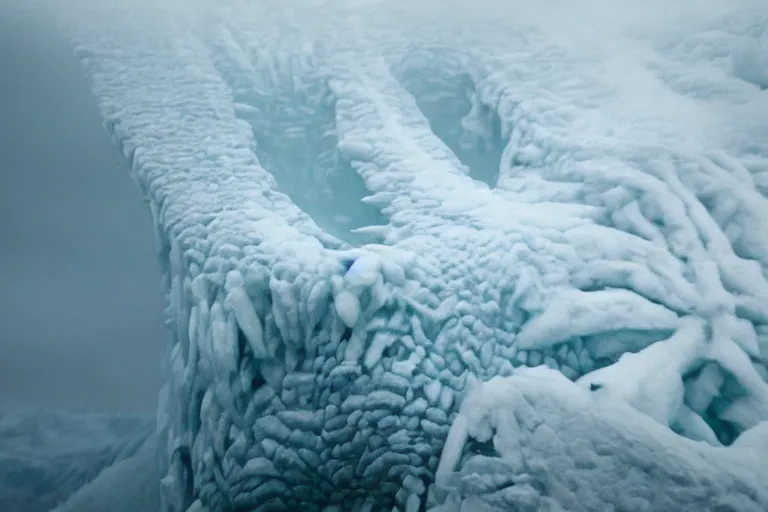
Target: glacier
x,y
445,255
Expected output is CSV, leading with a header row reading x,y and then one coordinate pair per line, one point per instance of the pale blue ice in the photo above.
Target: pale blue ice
x,y
444,255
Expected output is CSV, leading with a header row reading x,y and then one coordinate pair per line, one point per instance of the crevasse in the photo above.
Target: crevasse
x,y
450,256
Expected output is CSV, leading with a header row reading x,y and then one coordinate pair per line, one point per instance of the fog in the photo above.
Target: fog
x,y
81,322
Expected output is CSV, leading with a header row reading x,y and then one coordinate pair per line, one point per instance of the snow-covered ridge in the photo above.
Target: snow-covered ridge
x,y
363,213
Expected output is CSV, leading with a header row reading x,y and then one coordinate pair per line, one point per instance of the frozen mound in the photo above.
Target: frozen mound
x,y
372,216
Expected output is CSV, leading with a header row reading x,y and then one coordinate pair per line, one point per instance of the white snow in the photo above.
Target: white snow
x,y
573,313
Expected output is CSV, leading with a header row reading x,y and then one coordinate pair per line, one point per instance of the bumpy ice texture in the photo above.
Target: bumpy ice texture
x,y
448,255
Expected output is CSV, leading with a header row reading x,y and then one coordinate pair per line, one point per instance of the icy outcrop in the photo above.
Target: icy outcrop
x,y
555,447
369,223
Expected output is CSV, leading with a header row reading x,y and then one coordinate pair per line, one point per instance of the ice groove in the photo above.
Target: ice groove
x,y
445,93
291,113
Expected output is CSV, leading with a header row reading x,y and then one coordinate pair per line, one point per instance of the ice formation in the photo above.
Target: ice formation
x,y
448,255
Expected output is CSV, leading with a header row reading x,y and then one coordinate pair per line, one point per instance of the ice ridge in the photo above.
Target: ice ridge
x,y
415,265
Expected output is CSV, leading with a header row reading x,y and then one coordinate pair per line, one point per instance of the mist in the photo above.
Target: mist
x,y
81,323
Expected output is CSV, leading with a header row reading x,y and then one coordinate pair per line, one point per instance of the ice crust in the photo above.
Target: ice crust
x,y
372,222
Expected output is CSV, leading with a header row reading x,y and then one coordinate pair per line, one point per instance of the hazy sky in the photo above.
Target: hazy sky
x,y
80,299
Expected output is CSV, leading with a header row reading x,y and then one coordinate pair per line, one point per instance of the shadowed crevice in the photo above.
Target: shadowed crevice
x,y
470,129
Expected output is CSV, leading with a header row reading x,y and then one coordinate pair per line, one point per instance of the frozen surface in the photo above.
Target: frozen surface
x,y
373,216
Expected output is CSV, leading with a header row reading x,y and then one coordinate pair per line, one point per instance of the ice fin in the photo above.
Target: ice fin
x,y
249,322
381,341
452,449
356,150
379,199
652,379
574,313
694,427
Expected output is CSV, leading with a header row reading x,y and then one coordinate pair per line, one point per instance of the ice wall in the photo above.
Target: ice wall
x,y
373,217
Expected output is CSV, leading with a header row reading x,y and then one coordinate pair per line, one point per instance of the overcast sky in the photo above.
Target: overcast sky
x,y
80,299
